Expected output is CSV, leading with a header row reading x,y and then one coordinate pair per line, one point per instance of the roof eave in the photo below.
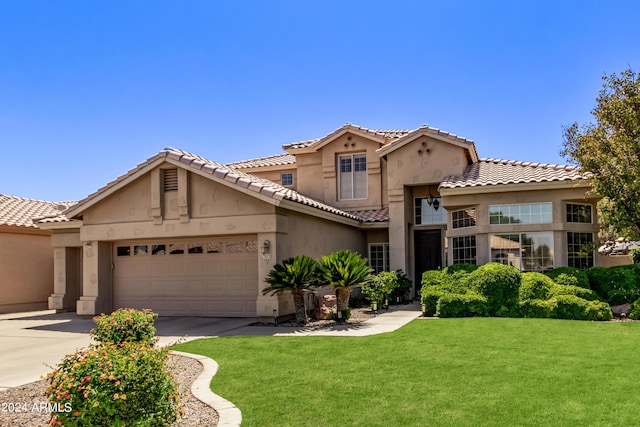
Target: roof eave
x,y
520,186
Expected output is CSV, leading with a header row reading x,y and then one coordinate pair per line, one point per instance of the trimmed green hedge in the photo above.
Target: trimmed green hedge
x,y
583,293
535,286
581,276
499,284
616,285
456,305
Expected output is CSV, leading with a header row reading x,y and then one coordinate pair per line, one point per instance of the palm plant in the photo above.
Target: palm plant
x,y
344,270
297,275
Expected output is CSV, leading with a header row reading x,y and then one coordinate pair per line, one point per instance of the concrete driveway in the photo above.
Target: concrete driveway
x,y
31,344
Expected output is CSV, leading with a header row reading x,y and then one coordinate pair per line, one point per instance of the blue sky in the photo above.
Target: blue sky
x,y
90,89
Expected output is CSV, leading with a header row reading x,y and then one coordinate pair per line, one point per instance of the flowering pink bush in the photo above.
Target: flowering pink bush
x,y
125,325
115,383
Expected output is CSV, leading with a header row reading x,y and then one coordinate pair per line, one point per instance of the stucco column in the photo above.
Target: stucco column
x,y
96,279
56,300
267,258
398,232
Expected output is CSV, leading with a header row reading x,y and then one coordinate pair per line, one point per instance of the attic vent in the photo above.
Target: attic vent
x,y
170,179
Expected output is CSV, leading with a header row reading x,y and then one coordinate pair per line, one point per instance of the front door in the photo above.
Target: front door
x,y
428,252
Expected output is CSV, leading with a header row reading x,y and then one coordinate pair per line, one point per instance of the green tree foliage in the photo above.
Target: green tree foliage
x,y
610,150
296,275
345,270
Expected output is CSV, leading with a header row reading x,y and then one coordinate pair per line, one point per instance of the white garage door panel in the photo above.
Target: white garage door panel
x,y
222,283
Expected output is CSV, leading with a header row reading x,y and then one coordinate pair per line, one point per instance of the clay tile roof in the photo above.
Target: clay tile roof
x,y
275,160
372,215
21,212
488,172
388,135
251,182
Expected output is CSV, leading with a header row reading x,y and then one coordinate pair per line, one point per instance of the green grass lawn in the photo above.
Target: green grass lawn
x,y
445,372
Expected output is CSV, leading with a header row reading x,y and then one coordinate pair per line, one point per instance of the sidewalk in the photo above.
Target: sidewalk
x,y
387,321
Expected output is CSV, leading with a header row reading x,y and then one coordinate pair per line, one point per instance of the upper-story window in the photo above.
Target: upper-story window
x,y
527,213
579,213
463,218
286,179
430,213
352,180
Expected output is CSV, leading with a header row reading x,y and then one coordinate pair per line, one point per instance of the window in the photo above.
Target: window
x,y
194,248
464,249
430,214
525,251
379,257
123,251
140,250
578,213
530,213
580,250
463,218
352,179
286,179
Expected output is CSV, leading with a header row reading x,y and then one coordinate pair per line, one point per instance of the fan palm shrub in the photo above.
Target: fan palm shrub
x,y
345,270
297,275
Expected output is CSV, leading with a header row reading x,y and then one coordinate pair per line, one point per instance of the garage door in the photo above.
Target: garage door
x,y
212,277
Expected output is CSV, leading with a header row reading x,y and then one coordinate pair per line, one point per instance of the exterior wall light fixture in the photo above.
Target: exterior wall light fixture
x,y
265,246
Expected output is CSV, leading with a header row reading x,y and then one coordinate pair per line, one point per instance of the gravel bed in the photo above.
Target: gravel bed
x,y
184,369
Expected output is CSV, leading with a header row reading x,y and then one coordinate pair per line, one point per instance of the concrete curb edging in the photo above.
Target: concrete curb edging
x,y
229,415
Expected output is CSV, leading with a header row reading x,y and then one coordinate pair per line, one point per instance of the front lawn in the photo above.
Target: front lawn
x,y
444,372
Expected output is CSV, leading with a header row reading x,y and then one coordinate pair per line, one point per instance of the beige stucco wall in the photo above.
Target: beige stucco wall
x,y
26,269
309,174
558,194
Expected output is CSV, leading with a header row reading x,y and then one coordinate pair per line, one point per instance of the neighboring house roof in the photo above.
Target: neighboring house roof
x,y
248,183
20,212
490,172
275,160
383,136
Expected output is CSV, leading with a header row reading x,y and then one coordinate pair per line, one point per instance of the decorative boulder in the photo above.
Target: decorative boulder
x,y
326,304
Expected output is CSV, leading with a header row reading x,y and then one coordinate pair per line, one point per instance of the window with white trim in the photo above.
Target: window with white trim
x,y
379,257
580,250
463,218
286,179
580,213
429,213
464,249
524,251
526,213
352,176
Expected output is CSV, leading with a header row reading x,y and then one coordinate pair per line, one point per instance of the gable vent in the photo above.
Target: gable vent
x,y
170,179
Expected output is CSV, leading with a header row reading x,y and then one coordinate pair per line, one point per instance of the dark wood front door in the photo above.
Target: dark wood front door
x,y
428,252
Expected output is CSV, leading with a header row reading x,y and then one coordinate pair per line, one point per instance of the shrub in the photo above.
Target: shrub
x,y
457,282
567,280
586,294
380,287
499,284
109,384
456,305
346,315
569,307
635,255
537,308
404,287
467,268
534,286
616,285
429,298
125,325
432,278
598,310
583,280
634,311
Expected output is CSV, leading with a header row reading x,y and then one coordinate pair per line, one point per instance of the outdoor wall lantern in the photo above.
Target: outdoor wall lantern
x,y
433,201
265,246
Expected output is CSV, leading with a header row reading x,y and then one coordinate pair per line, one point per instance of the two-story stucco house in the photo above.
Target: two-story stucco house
x,y
183,235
